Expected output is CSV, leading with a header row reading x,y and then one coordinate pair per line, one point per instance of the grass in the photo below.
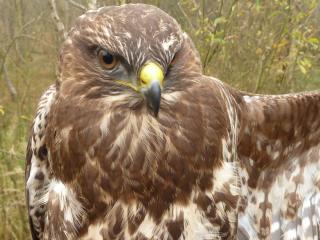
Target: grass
x,y
15,121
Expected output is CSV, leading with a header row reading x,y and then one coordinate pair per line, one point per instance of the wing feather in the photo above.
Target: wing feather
x,y
37,172
279,151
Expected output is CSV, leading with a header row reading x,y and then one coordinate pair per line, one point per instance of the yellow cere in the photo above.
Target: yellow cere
x,y
151,72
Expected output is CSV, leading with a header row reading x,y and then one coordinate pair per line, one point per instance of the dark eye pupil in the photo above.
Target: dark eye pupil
x,y
107,58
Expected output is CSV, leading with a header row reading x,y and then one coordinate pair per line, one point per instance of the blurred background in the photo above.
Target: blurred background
x,y
263,46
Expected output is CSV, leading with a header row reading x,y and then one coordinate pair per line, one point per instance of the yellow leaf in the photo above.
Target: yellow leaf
x,y
24,117
281,44
314,40
2,110
302,69
219,20
259,51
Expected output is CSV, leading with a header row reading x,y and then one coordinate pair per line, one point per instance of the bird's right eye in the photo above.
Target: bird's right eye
x,y
107,60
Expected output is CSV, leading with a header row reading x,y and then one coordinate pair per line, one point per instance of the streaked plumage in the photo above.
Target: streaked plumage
x,y
103,162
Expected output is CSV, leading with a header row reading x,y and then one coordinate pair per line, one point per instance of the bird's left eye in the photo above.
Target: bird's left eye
x,y
107,60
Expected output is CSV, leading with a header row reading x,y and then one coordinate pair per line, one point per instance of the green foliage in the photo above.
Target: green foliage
x,y
258,46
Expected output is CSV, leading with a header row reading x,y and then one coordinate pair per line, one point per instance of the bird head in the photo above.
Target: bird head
x,y
131,54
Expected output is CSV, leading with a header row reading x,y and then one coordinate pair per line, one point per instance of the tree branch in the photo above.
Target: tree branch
x,y
92,4
185,16
10,86
7,50
3,68
77,5
55,17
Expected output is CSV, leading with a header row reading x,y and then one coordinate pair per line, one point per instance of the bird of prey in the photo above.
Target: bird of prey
x,y
134,142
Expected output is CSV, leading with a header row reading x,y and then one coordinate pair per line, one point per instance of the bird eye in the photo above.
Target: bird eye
x,y
107,60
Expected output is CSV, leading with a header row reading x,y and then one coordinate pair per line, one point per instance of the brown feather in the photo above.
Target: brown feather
x,y
214,163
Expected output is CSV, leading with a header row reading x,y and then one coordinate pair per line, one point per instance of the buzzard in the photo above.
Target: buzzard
x,y
134,142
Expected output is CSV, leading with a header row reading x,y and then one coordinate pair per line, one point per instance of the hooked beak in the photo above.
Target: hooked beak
x,y
151,81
